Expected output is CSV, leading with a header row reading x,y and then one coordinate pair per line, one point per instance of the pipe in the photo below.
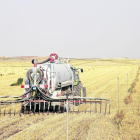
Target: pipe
x,y
52,79
41,62
35,71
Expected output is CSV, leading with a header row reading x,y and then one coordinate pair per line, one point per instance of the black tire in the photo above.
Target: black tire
x,y
77,90
27,110
22,109
84,93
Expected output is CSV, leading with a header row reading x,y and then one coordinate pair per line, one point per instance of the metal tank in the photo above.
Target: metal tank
x,y
56,74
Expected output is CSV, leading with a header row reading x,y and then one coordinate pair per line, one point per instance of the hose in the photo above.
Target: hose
x,y
41,62
29,77
41,76
12,96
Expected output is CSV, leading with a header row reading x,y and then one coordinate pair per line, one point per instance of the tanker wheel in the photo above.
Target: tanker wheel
x,y
77,91
27,109
84,93
23,110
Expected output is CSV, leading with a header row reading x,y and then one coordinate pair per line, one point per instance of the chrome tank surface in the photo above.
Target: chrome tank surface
x,y
60,72
54,74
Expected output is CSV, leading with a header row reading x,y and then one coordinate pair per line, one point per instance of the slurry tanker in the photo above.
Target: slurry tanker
x,y
51,85
49,79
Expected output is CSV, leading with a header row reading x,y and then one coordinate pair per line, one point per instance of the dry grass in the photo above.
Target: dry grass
x,y
119,117
100,79
128,99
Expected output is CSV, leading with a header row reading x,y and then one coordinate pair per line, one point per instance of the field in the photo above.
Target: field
x,y
102,78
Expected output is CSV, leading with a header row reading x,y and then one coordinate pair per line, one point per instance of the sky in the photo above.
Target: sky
x,y
70,28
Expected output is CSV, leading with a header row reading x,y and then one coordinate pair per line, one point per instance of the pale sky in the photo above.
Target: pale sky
x,y
70,28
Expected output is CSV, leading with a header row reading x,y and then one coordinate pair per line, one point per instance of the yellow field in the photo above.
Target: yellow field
x,y
100,77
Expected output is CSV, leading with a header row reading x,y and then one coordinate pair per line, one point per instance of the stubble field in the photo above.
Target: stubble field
x,y
100,77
